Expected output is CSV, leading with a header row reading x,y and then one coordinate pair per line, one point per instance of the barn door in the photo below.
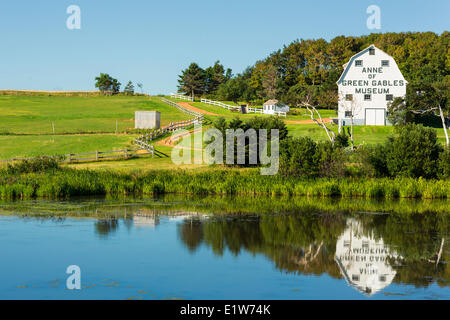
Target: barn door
x,y
375,117
379,117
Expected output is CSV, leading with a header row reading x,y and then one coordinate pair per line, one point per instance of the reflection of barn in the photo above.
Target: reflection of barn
x,y
145,221
152,218
363,260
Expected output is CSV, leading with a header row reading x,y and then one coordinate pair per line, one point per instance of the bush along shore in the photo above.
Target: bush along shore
x,y
25,181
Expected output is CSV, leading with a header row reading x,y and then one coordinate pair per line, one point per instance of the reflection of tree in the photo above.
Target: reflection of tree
x,y
104,227
305,243
416,238
233,234
191,233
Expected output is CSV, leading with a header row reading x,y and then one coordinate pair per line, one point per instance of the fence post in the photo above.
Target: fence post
x,y
96,155
126,153
70,157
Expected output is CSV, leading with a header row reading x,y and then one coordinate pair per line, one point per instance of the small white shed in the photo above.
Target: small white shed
x,y
273,106
147,119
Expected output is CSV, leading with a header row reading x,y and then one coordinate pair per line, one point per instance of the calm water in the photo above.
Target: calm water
x,y
222,248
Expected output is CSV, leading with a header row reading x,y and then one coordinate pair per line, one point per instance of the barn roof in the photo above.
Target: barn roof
x,y
349,63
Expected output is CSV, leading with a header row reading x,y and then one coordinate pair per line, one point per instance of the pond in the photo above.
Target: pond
x,y
180,247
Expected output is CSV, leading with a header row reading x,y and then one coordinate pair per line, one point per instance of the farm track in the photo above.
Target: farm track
x,y
170,141
188,106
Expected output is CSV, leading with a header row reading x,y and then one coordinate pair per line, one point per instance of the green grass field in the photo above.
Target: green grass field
x,y
37,145
35,114
82,124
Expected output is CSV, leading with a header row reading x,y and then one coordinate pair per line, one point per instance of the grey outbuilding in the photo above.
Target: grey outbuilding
x,y
147,119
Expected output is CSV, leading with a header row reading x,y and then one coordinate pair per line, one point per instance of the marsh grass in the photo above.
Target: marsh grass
x,y
66,182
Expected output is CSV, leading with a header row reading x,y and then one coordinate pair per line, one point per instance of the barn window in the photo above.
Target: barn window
x,y
382,278
372,51
358,63
385,63
389,97
355,277
348,114
367,97
349,97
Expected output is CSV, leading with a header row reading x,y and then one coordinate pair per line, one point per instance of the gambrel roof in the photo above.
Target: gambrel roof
x,y
349,63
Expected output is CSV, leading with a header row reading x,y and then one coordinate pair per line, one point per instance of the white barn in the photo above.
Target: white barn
x,y
273,106
370,81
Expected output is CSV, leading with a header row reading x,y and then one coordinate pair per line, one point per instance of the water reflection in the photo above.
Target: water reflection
x,y
145,221
105,227
343,239
365,262
368,251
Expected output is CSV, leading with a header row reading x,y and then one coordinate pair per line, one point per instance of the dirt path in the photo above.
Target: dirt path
x,y
170,141
188,106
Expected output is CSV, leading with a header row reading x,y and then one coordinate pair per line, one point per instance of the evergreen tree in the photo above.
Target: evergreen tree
x,y
192,80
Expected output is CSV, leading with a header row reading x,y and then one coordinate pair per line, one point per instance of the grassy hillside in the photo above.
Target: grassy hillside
x,y
35,114
37,145
82,123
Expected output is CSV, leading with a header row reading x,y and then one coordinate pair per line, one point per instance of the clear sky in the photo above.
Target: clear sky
x,y
151,41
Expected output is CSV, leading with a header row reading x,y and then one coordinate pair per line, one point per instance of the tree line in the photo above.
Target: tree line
x,y
310,68
111,86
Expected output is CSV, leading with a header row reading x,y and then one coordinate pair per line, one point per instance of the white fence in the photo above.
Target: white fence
x,y
181,97
145,140
219,104
230,107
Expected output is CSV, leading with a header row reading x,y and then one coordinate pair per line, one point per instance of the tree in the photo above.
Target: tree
x,y
103,82
422,98
129,89
232,90
141,86
192,80
107,84
214,76
269,82
354,108
115,86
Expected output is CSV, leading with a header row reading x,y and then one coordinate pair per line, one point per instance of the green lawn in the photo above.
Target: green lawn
x,y
35,114
37,145
362,134
26,123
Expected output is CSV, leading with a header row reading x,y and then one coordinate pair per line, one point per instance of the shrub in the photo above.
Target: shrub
x,y
444,164
302,157
413,153
298,157
341,140
374,160
34,165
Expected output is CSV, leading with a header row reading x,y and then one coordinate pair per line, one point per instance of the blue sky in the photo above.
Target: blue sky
x,y
151,41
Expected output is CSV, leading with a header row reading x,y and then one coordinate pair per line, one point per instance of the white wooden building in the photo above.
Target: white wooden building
x,y
370,81
273,106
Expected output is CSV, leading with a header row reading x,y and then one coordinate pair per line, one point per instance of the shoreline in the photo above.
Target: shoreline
x,y
67,183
